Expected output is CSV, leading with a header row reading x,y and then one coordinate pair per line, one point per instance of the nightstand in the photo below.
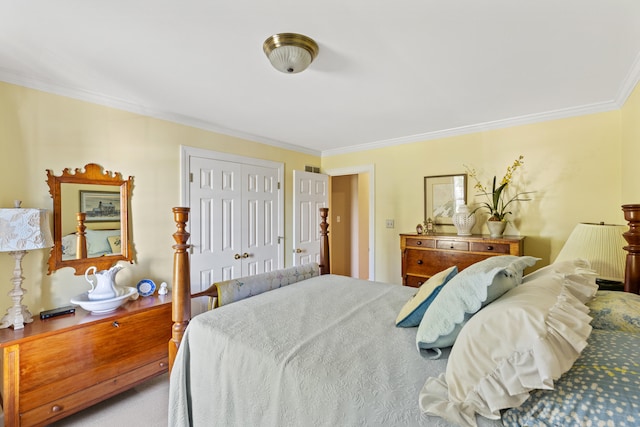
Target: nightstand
x,y
55,367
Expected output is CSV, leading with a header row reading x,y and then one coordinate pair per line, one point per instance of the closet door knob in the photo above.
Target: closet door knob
x,y
245,255
237,256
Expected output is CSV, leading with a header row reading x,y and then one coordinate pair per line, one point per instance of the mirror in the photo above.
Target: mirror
x,y
90,218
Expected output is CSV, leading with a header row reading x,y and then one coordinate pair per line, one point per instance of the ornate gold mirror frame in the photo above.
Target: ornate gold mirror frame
x,y
91,178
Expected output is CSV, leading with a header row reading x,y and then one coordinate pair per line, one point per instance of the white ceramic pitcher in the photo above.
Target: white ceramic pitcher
x,y
106,286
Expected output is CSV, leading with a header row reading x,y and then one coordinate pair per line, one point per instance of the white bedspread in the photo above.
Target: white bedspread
x,y
321,352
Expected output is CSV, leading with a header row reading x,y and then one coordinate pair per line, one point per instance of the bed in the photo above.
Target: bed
x,y
295,347
90,243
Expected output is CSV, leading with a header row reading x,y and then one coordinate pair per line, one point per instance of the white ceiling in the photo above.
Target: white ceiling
x,y
388,72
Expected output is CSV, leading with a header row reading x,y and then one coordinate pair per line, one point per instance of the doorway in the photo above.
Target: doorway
x,y
351,231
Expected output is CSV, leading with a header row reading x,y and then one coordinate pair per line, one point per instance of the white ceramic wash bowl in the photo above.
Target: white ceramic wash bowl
x,y
105,305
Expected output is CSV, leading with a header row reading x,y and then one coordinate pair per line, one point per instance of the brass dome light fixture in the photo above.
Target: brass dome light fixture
x,y
290,52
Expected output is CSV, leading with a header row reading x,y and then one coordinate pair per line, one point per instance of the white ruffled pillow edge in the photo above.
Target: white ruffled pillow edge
x,y
568,329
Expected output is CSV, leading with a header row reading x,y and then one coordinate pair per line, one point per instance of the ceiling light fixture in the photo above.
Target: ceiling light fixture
x,y
290,52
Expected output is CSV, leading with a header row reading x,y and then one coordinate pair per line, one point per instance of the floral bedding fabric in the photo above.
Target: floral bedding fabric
x,y
601,389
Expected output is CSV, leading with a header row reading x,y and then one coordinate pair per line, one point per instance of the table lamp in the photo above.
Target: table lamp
x,y
21,230
602,245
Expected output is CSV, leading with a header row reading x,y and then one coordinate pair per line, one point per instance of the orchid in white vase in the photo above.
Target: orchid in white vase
x,y
497,201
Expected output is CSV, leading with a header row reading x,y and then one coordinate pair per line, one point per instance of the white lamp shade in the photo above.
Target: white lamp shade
x,y
24,230
601,245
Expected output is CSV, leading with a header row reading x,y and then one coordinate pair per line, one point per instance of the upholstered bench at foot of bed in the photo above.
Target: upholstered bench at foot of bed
x,y
238,289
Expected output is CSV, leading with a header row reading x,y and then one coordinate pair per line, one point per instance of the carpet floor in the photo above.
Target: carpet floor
x,y
142,406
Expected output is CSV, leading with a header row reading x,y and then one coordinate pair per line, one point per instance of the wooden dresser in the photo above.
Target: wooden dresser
x,y
425,255
55,367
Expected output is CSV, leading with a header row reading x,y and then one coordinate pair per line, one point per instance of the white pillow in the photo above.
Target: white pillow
x,y
69,245
525,340
468,291
97,242
414,309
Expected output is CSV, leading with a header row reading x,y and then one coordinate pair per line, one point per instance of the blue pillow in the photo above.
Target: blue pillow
x,y
412,312
601,388
467,292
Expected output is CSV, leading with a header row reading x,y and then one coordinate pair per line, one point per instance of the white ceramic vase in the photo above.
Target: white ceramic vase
x,y
496,228
463,220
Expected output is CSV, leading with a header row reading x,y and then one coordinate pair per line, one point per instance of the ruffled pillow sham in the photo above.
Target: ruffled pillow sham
x,y
523,341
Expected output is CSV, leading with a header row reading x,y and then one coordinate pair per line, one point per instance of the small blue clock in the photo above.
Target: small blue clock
x,y
146,287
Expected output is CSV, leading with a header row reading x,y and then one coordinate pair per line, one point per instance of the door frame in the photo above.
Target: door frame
x,y
187,152
355,170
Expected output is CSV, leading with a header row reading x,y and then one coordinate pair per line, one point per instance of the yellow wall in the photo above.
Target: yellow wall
x,y
573,164
631,148
582,169
40,131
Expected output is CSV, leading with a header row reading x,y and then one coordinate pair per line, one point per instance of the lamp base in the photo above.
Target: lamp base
x,y
16,317
18,314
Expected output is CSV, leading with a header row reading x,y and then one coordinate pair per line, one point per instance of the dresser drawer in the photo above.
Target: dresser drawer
x,y
420,243
499,248
453,244
414,281
426,255
81,358
62,407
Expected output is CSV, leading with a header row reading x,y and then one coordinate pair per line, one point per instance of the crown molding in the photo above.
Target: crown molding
x,y
109,101
626,88
480,127
629,83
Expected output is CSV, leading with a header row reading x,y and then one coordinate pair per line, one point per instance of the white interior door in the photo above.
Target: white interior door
x,y
259,219
236,215
216,218
310,193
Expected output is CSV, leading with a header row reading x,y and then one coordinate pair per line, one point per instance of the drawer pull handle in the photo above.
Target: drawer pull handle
x,y
419,262
115,324
56,408
419,243
162,364
451,247
489,248
419,283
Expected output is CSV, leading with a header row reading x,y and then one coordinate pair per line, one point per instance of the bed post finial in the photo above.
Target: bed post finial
x,y
81,240
325,265
181,289
632,270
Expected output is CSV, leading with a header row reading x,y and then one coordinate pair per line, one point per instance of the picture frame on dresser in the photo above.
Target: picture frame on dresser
x,y
442,194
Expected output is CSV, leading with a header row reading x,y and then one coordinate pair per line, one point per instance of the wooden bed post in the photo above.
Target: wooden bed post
x,y
325,264
181,289
81,238
632,270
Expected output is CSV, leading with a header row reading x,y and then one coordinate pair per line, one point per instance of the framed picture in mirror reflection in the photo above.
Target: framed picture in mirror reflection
x,y
100,206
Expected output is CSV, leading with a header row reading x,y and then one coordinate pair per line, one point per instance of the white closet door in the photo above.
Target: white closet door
x,y
235,220
216,218
259,220
310,193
